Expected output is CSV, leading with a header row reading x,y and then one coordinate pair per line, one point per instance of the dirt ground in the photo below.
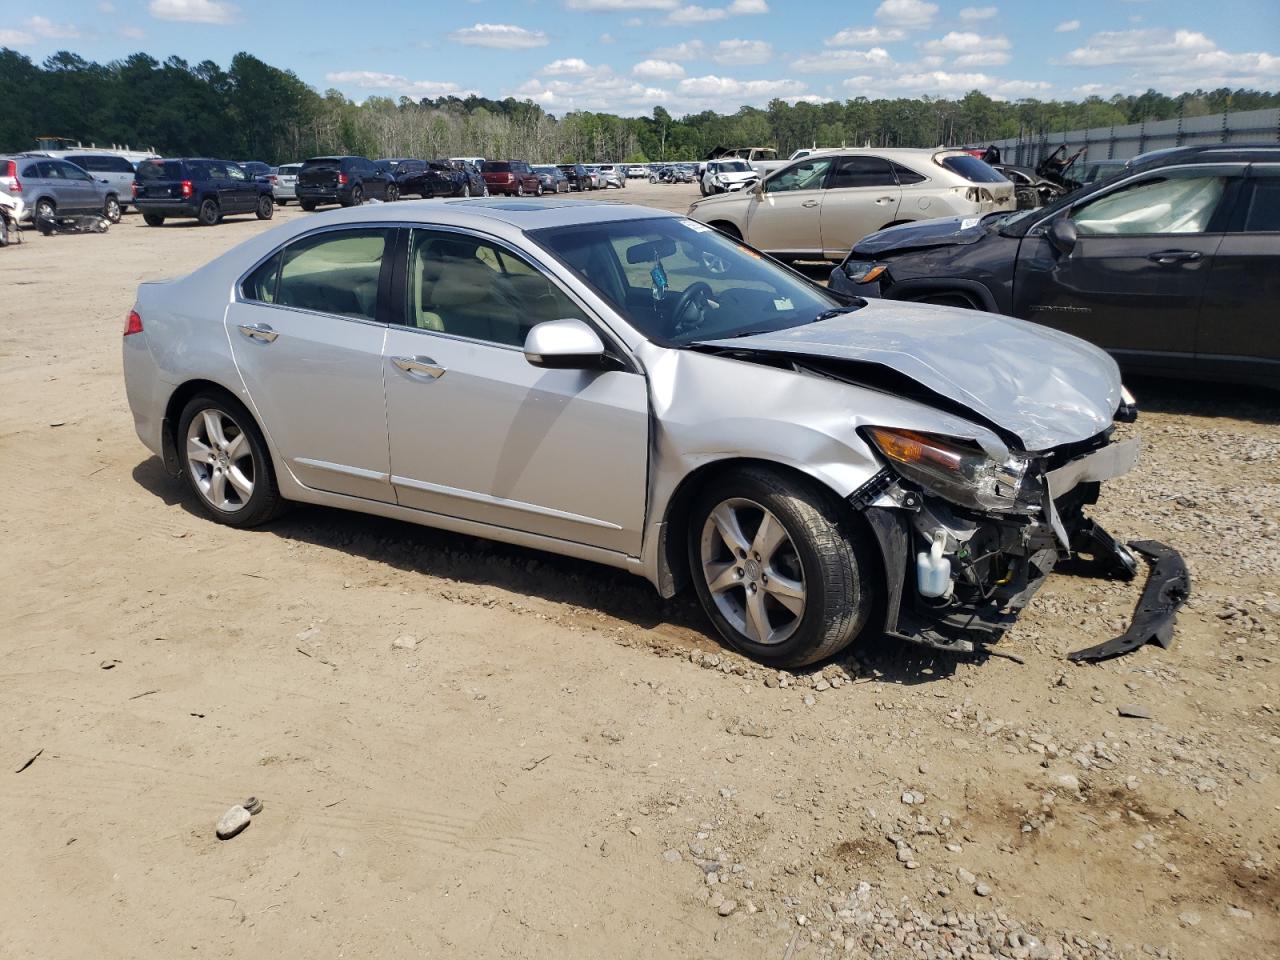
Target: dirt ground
x,y
562,765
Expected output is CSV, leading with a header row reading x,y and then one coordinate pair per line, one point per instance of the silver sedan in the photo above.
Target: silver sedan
x,y
630,387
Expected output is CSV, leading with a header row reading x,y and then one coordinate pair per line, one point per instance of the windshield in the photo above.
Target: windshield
x,y
732,166
678,281
973,169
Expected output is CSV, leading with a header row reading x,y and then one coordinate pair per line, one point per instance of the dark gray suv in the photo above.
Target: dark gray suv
x,y
49,187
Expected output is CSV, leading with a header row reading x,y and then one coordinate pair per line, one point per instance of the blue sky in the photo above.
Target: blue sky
x,y
625,56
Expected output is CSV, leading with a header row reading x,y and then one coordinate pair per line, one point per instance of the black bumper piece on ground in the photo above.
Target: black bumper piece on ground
x,y
1168,586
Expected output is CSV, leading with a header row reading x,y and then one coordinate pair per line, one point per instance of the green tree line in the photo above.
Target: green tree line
x,y
252,110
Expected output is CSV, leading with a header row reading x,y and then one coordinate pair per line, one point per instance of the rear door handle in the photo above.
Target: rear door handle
x,y
884,199
259,331
1175,256
422,365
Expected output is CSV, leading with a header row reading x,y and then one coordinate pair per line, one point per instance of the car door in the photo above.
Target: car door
x,y
862,196
375,180
786,215
307,332
1134,280
71,188
219,182
1239,324
243,187
479,433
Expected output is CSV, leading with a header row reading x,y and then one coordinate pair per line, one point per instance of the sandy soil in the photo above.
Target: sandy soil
x,y
563,763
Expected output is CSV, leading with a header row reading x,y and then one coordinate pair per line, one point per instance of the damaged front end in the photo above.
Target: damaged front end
x,y
969,539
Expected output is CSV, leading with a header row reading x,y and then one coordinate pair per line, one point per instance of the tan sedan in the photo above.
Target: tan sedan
x,y
820,206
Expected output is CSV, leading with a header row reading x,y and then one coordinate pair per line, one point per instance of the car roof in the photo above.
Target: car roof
x,y
522,214
1209,153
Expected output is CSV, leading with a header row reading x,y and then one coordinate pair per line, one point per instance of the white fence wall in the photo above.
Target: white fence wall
x,y
1121,143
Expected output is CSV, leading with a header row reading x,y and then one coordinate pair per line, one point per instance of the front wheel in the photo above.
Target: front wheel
x,y
539,191
783,575
266,208
225,461
111,210
209,213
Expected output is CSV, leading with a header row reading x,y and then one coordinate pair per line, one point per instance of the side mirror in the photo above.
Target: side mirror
x,y
1063,235
564,345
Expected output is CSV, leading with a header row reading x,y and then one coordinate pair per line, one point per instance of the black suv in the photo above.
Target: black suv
x,y
202,188
577,175
349,181
1172,264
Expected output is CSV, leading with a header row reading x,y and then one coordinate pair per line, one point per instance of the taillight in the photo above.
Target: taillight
x,y
271,178
342,179
134,187
133,324
187,190
510,177
15,185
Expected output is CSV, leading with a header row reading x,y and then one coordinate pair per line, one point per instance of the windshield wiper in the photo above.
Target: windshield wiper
x,y
829,314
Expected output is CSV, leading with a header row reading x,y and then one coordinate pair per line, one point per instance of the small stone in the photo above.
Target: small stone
x,y
965,877
672,856
809,701
1239,913
404,642
983,889
821,686
612,735
1069,782
232,822
1190,918
1134,711
727,908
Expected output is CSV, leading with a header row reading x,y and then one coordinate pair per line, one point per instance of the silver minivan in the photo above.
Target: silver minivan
x,y
49,187
110,168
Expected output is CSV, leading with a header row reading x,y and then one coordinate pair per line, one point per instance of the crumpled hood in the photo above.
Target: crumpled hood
x,y
1044,386
943,232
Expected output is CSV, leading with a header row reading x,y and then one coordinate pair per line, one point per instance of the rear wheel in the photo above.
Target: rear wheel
x,y
4,230
265,208
209,213
112,210
520,189
225,461
45,209
153,219
307,205
357,196
785,578
393,193
466,189
538,193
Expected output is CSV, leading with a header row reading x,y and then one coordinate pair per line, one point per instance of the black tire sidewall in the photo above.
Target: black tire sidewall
x,y
266,208
265,500
205,220
777,493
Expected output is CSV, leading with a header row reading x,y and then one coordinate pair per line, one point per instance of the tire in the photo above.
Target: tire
x,y
4,231
111,209
45,209
307,205
282,203
357,197
266,208
520,189
728,229
393,193
209,213
815,586
218,479
153,219
466,189
539,191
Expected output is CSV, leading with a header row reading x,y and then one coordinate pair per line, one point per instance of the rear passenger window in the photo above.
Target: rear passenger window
x,y
467,287
1263,213
335,273
862,172
261,284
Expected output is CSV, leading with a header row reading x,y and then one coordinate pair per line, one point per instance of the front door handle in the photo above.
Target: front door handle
x,y
1175,256
259,331
423,365
809,203
884,199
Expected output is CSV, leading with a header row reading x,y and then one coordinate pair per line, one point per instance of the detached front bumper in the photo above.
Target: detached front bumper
x,y
999,561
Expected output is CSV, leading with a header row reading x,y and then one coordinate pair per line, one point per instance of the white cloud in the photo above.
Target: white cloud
x,y
742,52
16,38
502,36
991,58
727,87
843,60
1067,26
945,83
908,14
633,22
747,7
42,27
864,36
132,33
106,7
607,38
572,66
195,11
394,83
696,14
658,69
1132,47
964,42
973,14
689,50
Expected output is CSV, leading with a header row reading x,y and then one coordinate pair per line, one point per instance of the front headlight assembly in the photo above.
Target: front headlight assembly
x,y
960,471
864,271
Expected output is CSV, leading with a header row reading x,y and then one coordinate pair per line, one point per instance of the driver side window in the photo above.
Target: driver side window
x,y
806,175
1158,205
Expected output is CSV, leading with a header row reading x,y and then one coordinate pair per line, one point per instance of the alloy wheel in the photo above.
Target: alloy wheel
x,y
753,571
221,460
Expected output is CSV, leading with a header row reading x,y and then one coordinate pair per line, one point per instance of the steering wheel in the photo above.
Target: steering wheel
x,y
697,293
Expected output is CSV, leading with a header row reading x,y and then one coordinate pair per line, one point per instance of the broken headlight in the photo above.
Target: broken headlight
x,y
960,471
864,271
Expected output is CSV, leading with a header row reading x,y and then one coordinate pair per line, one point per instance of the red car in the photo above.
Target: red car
x,y
512,177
